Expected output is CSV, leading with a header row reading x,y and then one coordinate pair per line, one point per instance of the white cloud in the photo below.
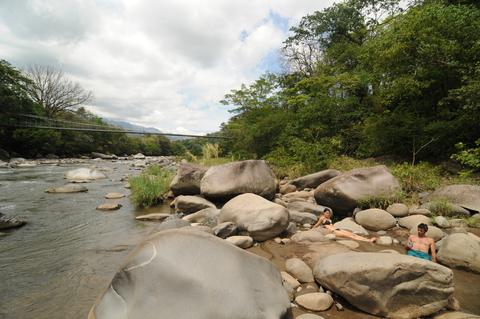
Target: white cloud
x,y
164,64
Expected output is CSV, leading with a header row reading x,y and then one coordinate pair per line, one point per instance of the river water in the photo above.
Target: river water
x,y
66,255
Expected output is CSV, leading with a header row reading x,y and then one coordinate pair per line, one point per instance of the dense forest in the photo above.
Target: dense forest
x,y
367,78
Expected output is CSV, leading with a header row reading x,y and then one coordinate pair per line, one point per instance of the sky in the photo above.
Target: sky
x,y
157,63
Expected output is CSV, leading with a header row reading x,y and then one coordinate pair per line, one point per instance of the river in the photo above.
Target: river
x,y
66,255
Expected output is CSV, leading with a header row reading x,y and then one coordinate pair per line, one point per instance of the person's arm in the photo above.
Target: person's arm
x,y
409,244
319,222
434,251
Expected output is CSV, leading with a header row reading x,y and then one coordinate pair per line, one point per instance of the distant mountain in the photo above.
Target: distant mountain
x,y
138,128
130,126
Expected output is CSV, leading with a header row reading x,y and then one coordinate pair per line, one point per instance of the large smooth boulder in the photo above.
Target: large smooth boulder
x,y
10,222
69,188
178,274
315,179
387,285
460,251
84,173
187,179
261,218
187,204
229,180
375,219
341,193
103,156
413,220
466,196
348,223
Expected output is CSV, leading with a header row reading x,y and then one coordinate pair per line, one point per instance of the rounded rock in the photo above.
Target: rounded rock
x,y
316,301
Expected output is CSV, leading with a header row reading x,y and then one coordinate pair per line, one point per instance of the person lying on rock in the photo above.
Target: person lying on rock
x,y
325,221
419,245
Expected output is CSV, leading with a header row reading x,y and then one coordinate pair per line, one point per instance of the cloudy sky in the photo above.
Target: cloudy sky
x,y
157,63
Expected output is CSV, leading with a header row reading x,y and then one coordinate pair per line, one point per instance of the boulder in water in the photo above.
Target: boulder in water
x,y
84,174
177,274
10,222
232,179
69,188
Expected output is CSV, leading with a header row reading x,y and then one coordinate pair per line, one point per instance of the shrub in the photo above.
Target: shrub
x,y
210,151
418,178
473,221
441,207
382,201
149,188
345,163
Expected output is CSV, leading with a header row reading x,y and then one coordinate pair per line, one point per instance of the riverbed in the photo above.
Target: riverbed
x,y
65,256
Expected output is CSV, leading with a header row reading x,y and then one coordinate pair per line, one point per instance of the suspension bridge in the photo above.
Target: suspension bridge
x,y
41,122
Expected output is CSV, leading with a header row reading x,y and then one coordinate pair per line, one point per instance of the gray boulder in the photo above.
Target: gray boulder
x,y
229,180
187,204
398,210
187,180
225,230
299,269
302,218
177,274
261,218
315,179
84,174
441,222
375,219
341,193
10,222
413,220
466,196
460,251
387,285
348,223
206,215
69,188
306,207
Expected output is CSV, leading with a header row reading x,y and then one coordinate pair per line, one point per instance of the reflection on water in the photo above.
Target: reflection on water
x,y
62,260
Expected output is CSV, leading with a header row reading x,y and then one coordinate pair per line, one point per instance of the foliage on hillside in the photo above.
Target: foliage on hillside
x,y
15,99
366,79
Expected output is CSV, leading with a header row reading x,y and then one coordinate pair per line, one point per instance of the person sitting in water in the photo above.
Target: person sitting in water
x,y
325,221
419,245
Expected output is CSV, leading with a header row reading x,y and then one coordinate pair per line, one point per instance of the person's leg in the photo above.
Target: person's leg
x,y
345,233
